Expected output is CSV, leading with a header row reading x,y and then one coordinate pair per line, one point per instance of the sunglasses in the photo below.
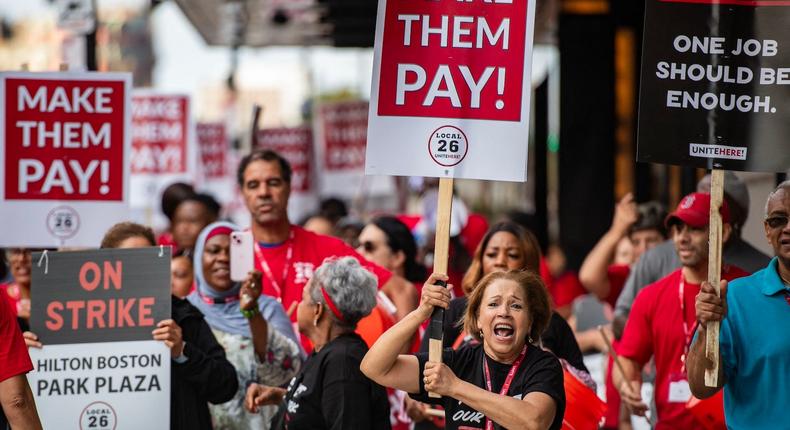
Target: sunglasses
x,y
777,221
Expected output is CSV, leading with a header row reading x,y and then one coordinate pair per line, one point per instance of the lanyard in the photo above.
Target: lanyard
x,y
216,301
508,380
687,333
268,271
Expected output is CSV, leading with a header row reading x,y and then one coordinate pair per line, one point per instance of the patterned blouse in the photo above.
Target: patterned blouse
x,y
283,361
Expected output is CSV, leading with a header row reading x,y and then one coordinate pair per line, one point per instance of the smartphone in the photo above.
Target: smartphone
x,y
241,255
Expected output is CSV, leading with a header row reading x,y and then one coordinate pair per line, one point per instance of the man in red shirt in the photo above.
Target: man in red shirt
x,y
15,395
662,320
287,254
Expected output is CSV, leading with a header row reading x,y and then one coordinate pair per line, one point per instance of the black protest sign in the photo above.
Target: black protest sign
x,y
715,85
99,296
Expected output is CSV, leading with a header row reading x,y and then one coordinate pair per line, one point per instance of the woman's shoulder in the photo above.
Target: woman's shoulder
x,y
539,359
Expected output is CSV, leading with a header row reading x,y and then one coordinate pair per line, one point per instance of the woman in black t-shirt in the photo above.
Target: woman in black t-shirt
x,y
502,382
330,392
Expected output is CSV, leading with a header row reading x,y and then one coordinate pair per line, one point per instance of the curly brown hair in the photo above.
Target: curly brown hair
x,y
535,295
124,230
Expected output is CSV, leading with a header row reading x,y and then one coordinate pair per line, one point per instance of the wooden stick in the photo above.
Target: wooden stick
x,y
257,112
714,272
617,363
440,256
438,413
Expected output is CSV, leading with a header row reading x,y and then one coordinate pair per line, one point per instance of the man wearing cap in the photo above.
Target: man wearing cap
x,y
754,352
662,319
661,260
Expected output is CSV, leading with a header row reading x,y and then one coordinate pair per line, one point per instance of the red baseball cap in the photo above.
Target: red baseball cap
x,y
694,211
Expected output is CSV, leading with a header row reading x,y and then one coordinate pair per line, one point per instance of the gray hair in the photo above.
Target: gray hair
x,y
351,287
783,186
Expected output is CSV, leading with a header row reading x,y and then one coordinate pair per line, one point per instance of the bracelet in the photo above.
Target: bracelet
x,y
250,313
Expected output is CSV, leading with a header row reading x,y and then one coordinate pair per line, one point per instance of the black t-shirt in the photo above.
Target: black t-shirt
x,y
557,338
332,393
539,372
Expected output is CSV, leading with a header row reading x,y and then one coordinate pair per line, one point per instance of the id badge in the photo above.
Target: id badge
x,y
679,390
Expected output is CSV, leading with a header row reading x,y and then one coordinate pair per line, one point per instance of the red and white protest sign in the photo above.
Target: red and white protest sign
x,y
63,151
160,125
213,148
341,130
163,149
296,145
451,89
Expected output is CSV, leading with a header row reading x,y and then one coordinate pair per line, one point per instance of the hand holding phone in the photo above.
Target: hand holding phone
x,y
241,255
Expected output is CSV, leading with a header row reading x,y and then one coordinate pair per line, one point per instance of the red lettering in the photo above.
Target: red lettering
x,y
55,322
75,306
124,309
92,267
144,311
112,274
95,311
112,314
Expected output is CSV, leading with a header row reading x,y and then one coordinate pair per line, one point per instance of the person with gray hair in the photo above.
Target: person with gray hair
x,y
330,392
753,347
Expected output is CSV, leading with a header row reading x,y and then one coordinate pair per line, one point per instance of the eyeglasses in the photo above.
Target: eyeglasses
x,y
777,221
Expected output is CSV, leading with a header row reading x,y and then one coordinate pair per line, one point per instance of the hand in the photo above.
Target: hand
x,y
250,290
262,395
31,340
439,379
626,214
434,295
709,306
416,410
23,309
169,332
631,397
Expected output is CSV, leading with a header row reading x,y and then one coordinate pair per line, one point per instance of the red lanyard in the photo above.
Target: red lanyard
x,y
508,380
216,301
268,271
686,331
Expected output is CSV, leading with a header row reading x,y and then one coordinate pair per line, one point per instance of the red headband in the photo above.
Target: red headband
x,y
218,231
331,305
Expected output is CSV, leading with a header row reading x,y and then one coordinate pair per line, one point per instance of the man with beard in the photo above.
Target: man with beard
x,y
754,367
662,319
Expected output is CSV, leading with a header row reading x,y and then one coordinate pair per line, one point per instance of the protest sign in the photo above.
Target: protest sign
x,y
213,148
63,150
451,89
714,90
295,144
163,149
341,130
94,312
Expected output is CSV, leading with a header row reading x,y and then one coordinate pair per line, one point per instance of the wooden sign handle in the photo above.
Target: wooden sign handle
x,y
714,272
440,257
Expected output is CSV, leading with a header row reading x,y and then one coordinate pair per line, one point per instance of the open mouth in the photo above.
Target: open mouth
x,y
503,331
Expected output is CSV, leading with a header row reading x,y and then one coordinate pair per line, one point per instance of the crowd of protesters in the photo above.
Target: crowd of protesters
x,y
328,329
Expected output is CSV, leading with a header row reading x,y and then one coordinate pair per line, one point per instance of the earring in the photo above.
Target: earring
x,y
315,322
481,334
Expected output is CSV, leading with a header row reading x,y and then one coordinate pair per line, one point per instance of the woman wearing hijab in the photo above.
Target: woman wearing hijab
x,y
253,328
330,392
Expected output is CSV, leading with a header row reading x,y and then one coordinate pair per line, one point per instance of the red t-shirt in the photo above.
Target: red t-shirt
x,y
309,251
618,274
14,359
655,328
565,289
